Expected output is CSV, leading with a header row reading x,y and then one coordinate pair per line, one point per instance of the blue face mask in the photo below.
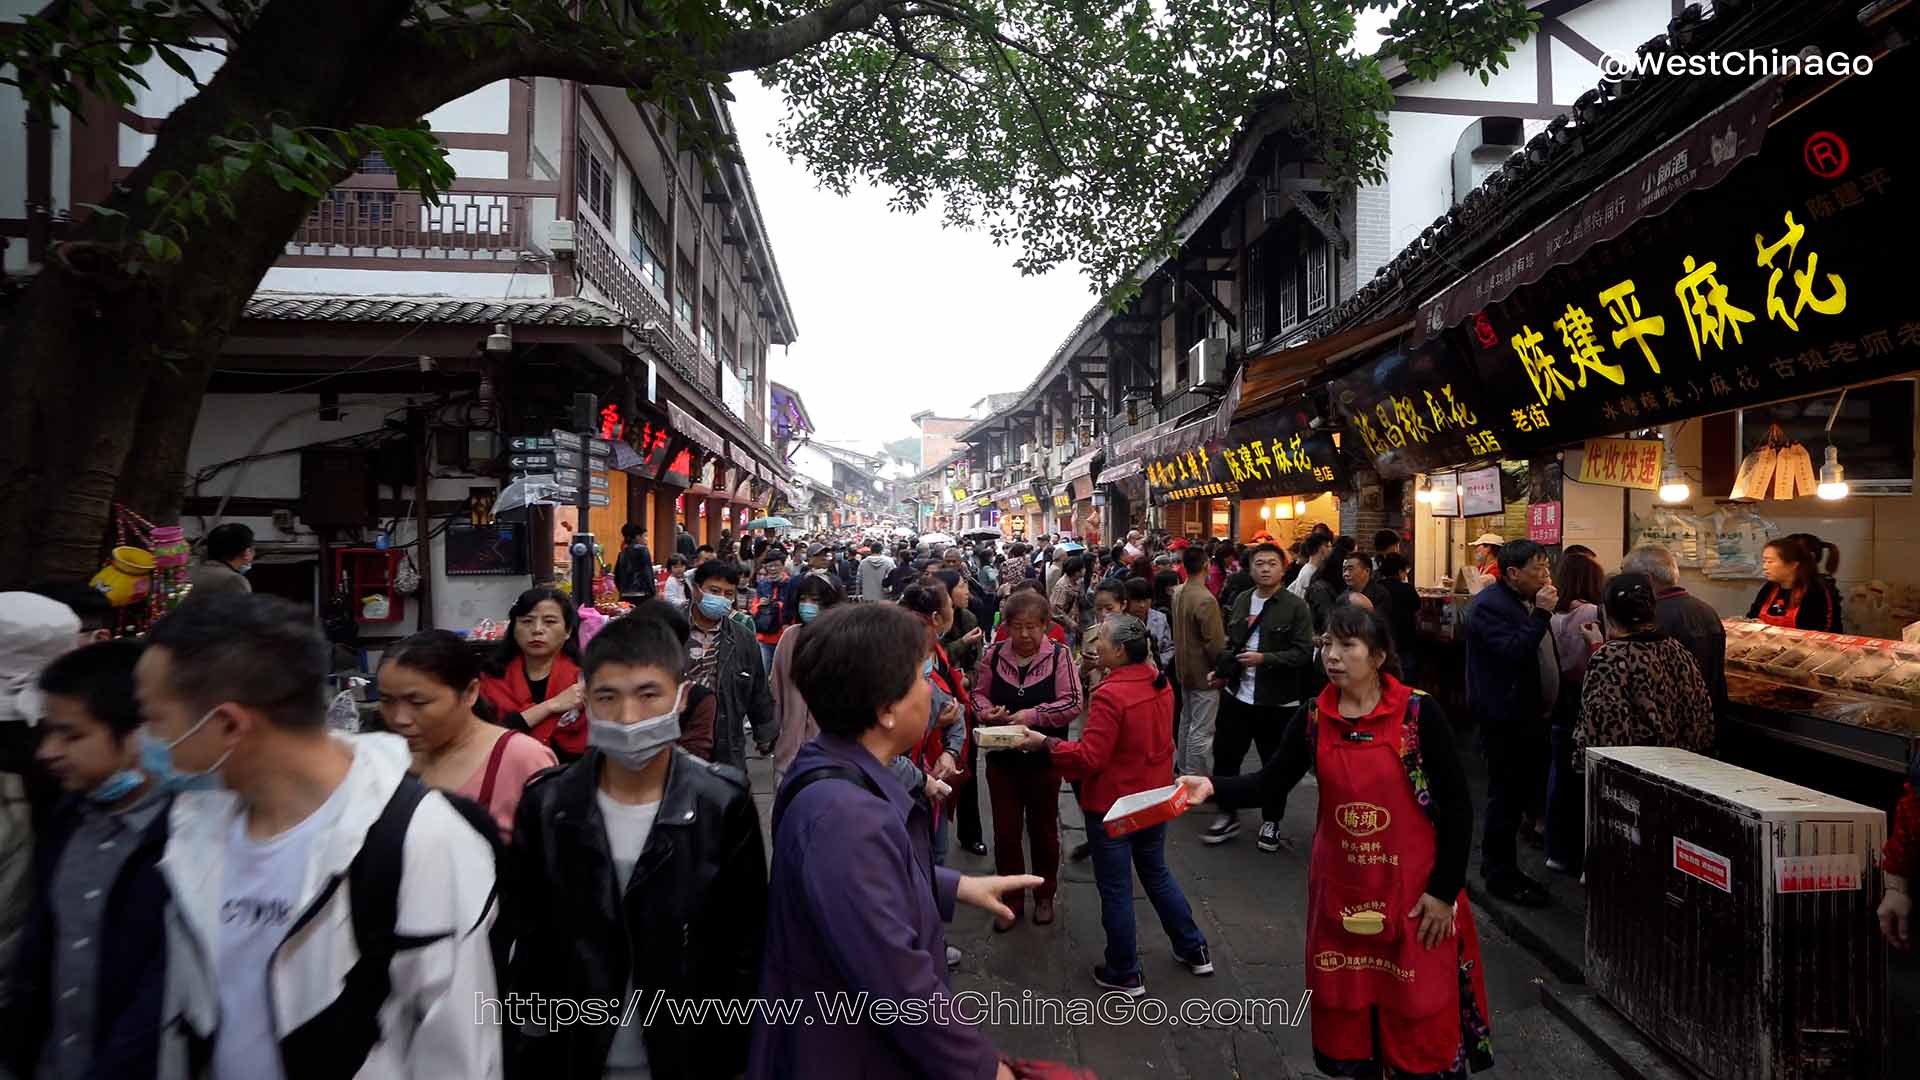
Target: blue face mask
x,y
117,787
926,667
156,759
809,611
714,607
243,571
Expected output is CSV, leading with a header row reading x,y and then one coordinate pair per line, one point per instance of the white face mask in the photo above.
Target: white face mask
x,y
634,745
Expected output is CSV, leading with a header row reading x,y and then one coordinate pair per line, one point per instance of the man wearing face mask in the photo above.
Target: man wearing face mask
x,y
228,561
327,908
724,657
86,988
650,854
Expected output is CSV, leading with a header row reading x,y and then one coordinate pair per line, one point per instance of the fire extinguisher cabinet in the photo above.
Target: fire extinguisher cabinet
x,y
1730,916
367,575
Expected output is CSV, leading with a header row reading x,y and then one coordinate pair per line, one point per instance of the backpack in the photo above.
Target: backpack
x,y
335,1043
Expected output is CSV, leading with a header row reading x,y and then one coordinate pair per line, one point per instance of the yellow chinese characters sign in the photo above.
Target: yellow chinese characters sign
x,y
1627,463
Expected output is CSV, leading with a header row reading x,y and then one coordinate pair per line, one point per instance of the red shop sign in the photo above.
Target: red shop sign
x,y
1543,522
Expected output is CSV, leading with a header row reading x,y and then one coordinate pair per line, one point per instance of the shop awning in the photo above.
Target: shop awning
x,y
1126,470
1081,466
695,432
1268,381
1694,160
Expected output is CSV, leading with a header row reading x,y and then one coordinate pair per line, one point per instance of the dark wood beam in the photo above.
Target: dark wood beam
x,y
1208,253
1214,303
717,198
1193,274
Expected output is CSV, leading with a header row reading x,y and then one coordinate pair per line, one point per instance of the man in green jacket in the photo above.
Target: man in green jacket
x,y
1264,673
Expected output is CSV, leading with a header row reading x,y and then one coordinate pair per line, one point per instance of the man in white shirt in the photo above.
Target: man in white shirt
x,y
286,845
1270,633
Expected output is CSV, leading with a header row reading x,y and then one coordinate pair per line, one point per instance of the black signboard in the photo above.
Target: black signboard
x,y
1271,455
1784,280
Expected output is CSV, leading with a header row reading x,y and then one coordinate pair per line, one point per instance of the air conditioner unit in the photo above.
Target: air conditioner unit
x,y
560,236
976,481
1207,361
1731,916
1026,454
999,462
1089,408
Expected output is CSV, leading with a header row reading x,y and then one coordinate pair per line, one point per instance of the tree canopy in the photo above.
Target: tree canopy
x,y
1067,129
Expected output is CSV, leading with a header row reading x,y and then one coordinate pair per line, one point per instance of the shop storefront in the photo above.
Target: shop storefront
x,y
1273,473
1619,376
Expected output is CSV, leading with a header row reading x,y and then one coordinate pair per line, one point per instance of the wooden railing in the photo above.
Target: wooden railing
x,y
598,264
381,223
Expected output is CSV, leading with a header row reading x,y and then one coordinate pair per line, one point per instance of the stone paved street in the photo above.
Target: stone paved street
x,y
1251,905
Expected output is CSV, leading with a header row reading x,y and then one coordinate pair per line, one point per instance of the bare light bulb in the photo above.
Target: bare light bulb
x,y
1424,495
1300,506
1266,512
1833,479
1675,491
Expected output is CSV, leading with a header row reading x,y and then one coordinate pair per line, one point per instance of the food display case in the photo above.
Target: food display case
x,y
1858,697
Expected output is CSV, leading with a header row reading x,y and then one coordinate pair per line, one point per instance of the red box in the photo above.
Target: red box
x,y
1145,809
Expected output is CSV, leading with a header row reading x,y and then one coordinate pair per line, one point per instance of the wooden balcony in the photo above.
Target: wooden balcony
x,y
599,265
400,226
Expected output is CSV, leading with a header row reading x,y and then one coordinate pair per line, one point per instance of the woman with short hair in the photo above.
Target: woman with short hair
x,y
1027,679
856,907
1643,687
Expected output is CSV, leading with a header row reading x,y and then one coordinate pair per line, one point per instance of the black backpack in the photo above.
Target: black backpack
x,y
334,1044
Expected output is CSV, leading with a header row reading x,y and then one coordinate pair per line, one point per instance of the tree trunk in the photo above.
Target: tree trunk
x,y
106,365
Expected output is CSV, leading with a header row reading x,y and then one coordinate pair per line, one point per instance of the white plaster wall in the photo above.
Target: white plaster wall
x,y
236,425
547,94
478,164
530,280
13,150
483,111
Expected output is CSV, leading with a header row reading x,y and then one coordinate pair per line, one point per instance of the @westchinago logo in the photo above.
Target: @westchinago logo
x,y
1751,62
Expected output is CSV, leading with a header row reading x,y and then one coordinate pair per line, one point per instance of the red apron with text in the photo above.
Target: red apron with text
x,y
1373,850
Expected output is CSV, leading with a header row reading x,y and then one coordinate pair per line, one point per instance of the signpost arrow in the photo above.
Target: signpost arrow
x,y
529,442
568,478
597,481
567,439
599,498
599,448
532,462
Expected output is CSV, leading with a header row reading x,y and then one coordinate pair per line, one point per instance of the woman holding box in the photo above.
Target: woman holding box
x,y
1388,927
1126,748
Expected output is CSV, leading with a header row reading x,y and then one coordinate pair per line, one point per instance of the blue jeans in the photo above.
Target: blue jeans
x,y
1566,804
1114,861
766,657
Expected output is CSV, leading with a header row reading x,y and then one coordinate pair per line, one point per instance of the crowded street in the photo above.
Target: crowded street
x,y
896,539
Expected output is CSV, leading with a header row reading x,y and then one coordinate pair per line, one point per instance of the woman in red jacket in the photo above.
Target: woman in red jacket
x,y
533,680
1127,747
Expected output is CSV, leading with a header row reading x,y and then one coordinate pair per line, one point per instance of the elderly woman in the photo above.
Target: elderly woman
x,y
1642,687
1027,679
1388,926
1127,747
855,905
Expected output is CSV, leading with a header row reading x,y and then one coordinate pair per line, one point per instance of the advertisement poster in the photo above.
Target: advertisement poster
x,y
1480,492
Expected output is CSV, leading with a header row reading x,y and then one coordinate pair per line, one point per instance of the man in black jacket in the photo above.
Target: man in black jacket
x,y
724,657
633,570
639,874
1505,624
1263,679
84,995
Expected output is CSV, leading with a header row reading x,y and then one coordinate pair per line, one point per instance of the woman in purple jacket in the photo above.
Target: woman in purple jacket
x,y
855,905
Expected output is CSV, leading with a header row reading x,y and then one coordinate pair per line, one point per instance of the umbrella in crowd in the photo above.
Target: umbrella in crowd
x,y
775,522
981,534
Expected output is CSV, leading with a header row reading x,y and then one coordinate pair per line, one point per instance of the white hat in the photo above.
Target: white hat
x,y
1490,540
34,632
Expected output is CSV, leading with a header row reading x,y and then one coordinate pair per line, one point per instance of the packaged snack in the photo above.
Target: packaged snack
x,y
1145,809
1003,737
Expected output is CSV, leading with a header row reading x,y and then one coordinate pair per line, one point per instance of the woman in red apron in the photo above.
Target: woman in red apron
x,y
1393,958
947,745
1795,595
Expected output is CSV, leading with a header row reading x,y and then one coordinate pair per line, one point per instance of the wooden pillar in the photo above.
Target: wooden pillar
x,y
423,524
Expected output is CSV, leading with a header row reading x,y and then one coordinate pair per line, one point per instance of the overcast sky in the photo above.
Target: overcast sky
x,y
896,313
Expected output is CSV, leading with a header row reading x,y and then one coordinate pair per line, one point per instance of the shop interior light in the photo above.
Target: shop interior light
x,y
1833,479
1673,485
1266,513
1424,495
1300,506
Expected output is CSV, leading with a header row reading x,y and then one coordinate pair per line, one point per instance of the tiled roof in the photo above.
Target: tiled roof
x,y
326,307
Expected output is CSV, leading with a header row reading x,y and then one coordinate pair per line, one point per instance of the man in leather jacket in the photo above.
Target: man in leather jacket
x,y
639,873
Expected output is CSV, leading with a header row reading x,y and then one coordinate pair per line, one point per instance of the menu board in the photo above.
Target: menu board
x,y
1777,283
1480,492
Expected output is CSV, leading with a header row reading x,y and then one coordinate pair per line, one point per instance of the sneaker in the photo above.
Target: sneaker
x,y
1224,828
1269,836
1133,985
1200,963
953,957
1556,866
